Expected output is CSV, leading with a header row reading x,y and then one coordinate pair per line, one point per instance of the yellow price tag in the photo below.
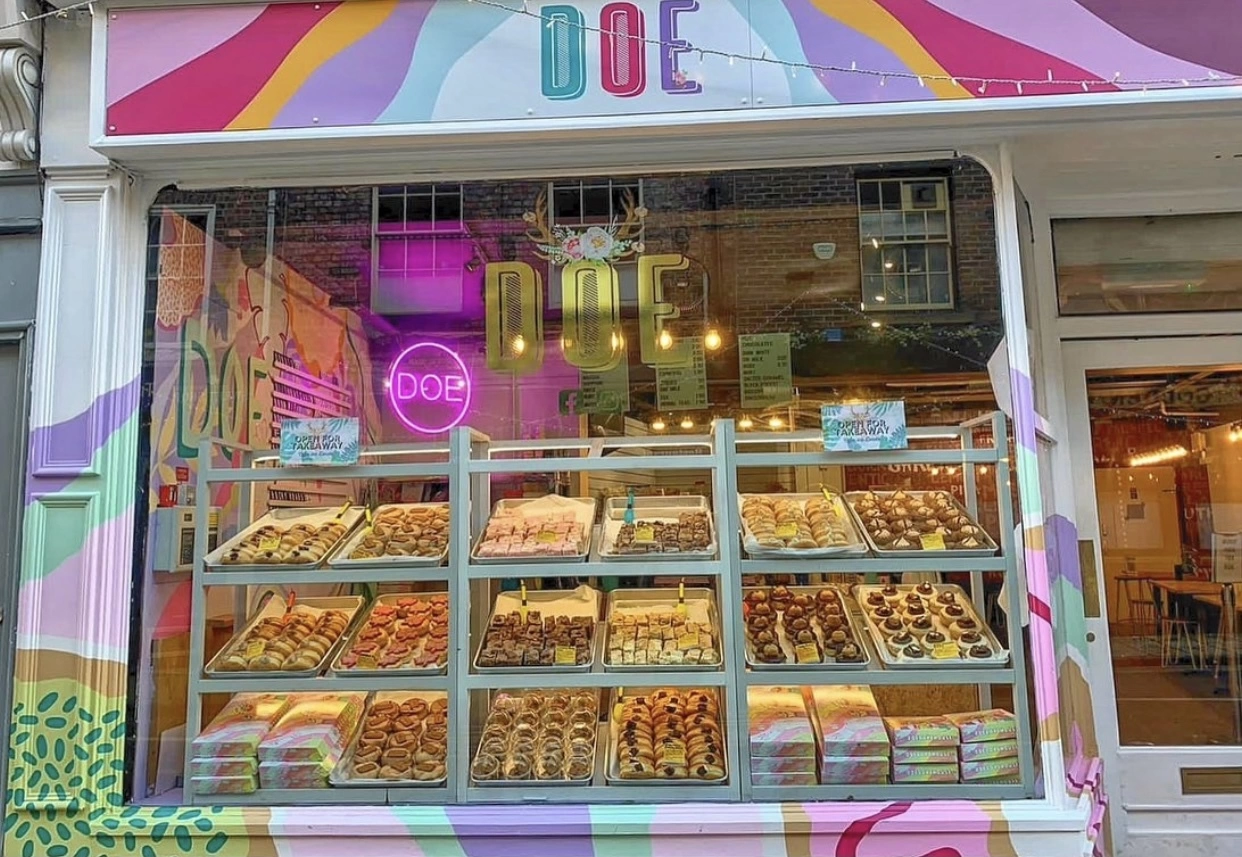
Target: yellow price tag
x,y
565,656
255,648
345,508
367,662
522,609
786,531
271,543
645,533
688,641
546,537
674,753
932,541
945,651
682,610
807,653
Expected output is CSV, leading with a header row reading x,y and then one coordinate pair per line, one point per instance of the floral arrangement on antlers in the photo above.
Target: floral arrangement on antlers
x,y
561,245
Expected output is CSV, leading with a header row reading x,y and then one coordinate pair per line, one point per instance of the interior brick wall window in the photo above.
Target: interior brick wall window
x,y
906,243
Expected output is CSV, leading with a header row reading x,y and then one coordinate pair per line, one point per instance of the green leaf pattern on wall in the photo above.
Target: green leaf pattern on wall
x,y
50,748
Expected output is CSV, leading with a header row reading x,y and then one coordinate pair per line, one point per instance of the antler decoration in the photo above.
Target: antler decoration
x,y
634,215
541,236
561,245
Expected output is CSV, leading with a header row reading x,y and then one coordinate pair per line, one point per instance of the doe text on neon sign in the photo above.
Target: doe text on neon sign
x,y
429,388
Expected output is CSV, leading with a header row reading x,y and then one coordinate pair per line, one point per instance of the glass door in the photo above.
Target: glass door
x,y
1158,424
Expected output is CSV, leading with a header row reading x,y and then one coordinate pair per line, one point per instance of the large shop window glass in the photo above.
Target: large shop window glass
x,y
643,365
1168,488
1169,263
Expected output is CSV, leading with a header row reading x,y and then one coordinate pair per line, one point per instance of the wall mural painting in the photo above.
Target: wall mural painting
x,y
367,62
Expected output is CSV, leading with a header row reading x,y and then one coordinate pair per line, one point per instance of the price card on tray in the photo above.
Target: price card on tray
x,y
255,648
786,531
932,541
945,651
565,656
807,653
367,662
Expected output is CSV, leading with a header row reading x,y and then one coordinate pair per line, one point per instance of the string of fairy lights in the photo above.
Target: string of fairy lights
x,y
980,83
62,12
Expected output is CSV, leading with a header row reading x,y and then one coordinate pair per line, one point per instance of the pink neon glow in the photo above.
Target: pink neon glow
x,y
412,387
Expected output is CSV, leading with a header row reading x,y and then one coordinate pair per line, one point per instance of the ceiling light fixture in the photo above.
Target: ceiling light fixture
x,y
1167,453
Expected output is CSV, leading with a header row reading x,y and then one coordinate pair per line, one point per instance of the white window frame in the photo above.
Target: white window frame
x,y
582,186
407,232
897,283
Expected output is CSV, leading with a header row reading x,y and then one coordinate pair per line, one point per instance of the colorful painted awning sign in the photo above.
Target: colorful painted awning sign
x,y
371,62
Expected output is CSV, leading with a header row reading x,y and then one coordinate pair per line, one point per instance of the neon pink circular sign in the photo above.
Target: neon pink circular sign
x,y
429,388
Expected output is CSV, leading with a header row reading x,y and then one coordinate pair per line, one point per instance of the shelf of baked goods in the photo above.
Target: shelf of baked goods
x,y
557,639
540,745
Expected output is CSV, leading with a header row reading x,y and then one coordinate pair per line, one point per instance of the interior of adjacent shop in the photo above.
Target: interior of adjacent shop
x,y
1167,446
626,317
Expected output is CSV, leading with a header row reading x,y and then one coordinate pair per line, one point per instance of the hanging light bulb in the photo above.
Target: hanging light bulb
x,y
617,341
712,340
776,422
745,423
665,340
658,424
518,345
876,324
687,423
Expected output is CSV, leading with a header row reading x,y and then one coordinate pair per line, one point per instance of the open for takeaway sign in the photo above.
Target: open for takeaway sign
x,y
864,426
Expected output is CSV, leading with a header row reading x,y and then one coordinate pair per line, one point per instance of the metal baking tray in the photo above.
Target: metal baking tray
x,y
753,549
700,606
791,665
339,775
340,557
536,783
286,518
583,509
583,601
612,772
354,672
274,606
1000,655
853,496
663,509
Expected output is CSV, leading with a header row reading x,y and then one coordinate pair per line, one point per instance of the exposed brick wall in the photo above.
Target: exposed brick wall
x,y
751,231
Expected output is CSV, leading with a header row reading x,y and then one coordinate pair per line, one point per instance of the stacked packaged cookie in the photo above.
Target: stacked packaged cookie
x,y
782,741
924,749
988,748
850,739
308,740
226,753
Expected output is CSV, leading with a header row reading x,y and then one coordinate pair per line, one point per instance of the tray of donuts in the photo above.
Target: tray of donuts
x,y
287,641
402,634
667,736
406,534
801,627
403,742
927,625
798,526
898,522
536,737
295,538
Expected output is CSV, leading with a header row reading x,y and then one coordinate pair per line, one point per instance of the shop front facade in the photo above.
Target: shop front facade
x,y
561,266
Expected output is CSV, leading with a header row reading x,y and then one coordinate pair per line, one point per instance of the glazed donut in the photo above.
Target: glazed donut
x,y
428,771
397,756
369,754
365,770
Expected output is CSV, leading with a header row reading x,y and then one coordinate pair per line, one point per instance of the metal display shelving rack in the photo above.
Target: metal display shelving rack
x,y
253,470
468,463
